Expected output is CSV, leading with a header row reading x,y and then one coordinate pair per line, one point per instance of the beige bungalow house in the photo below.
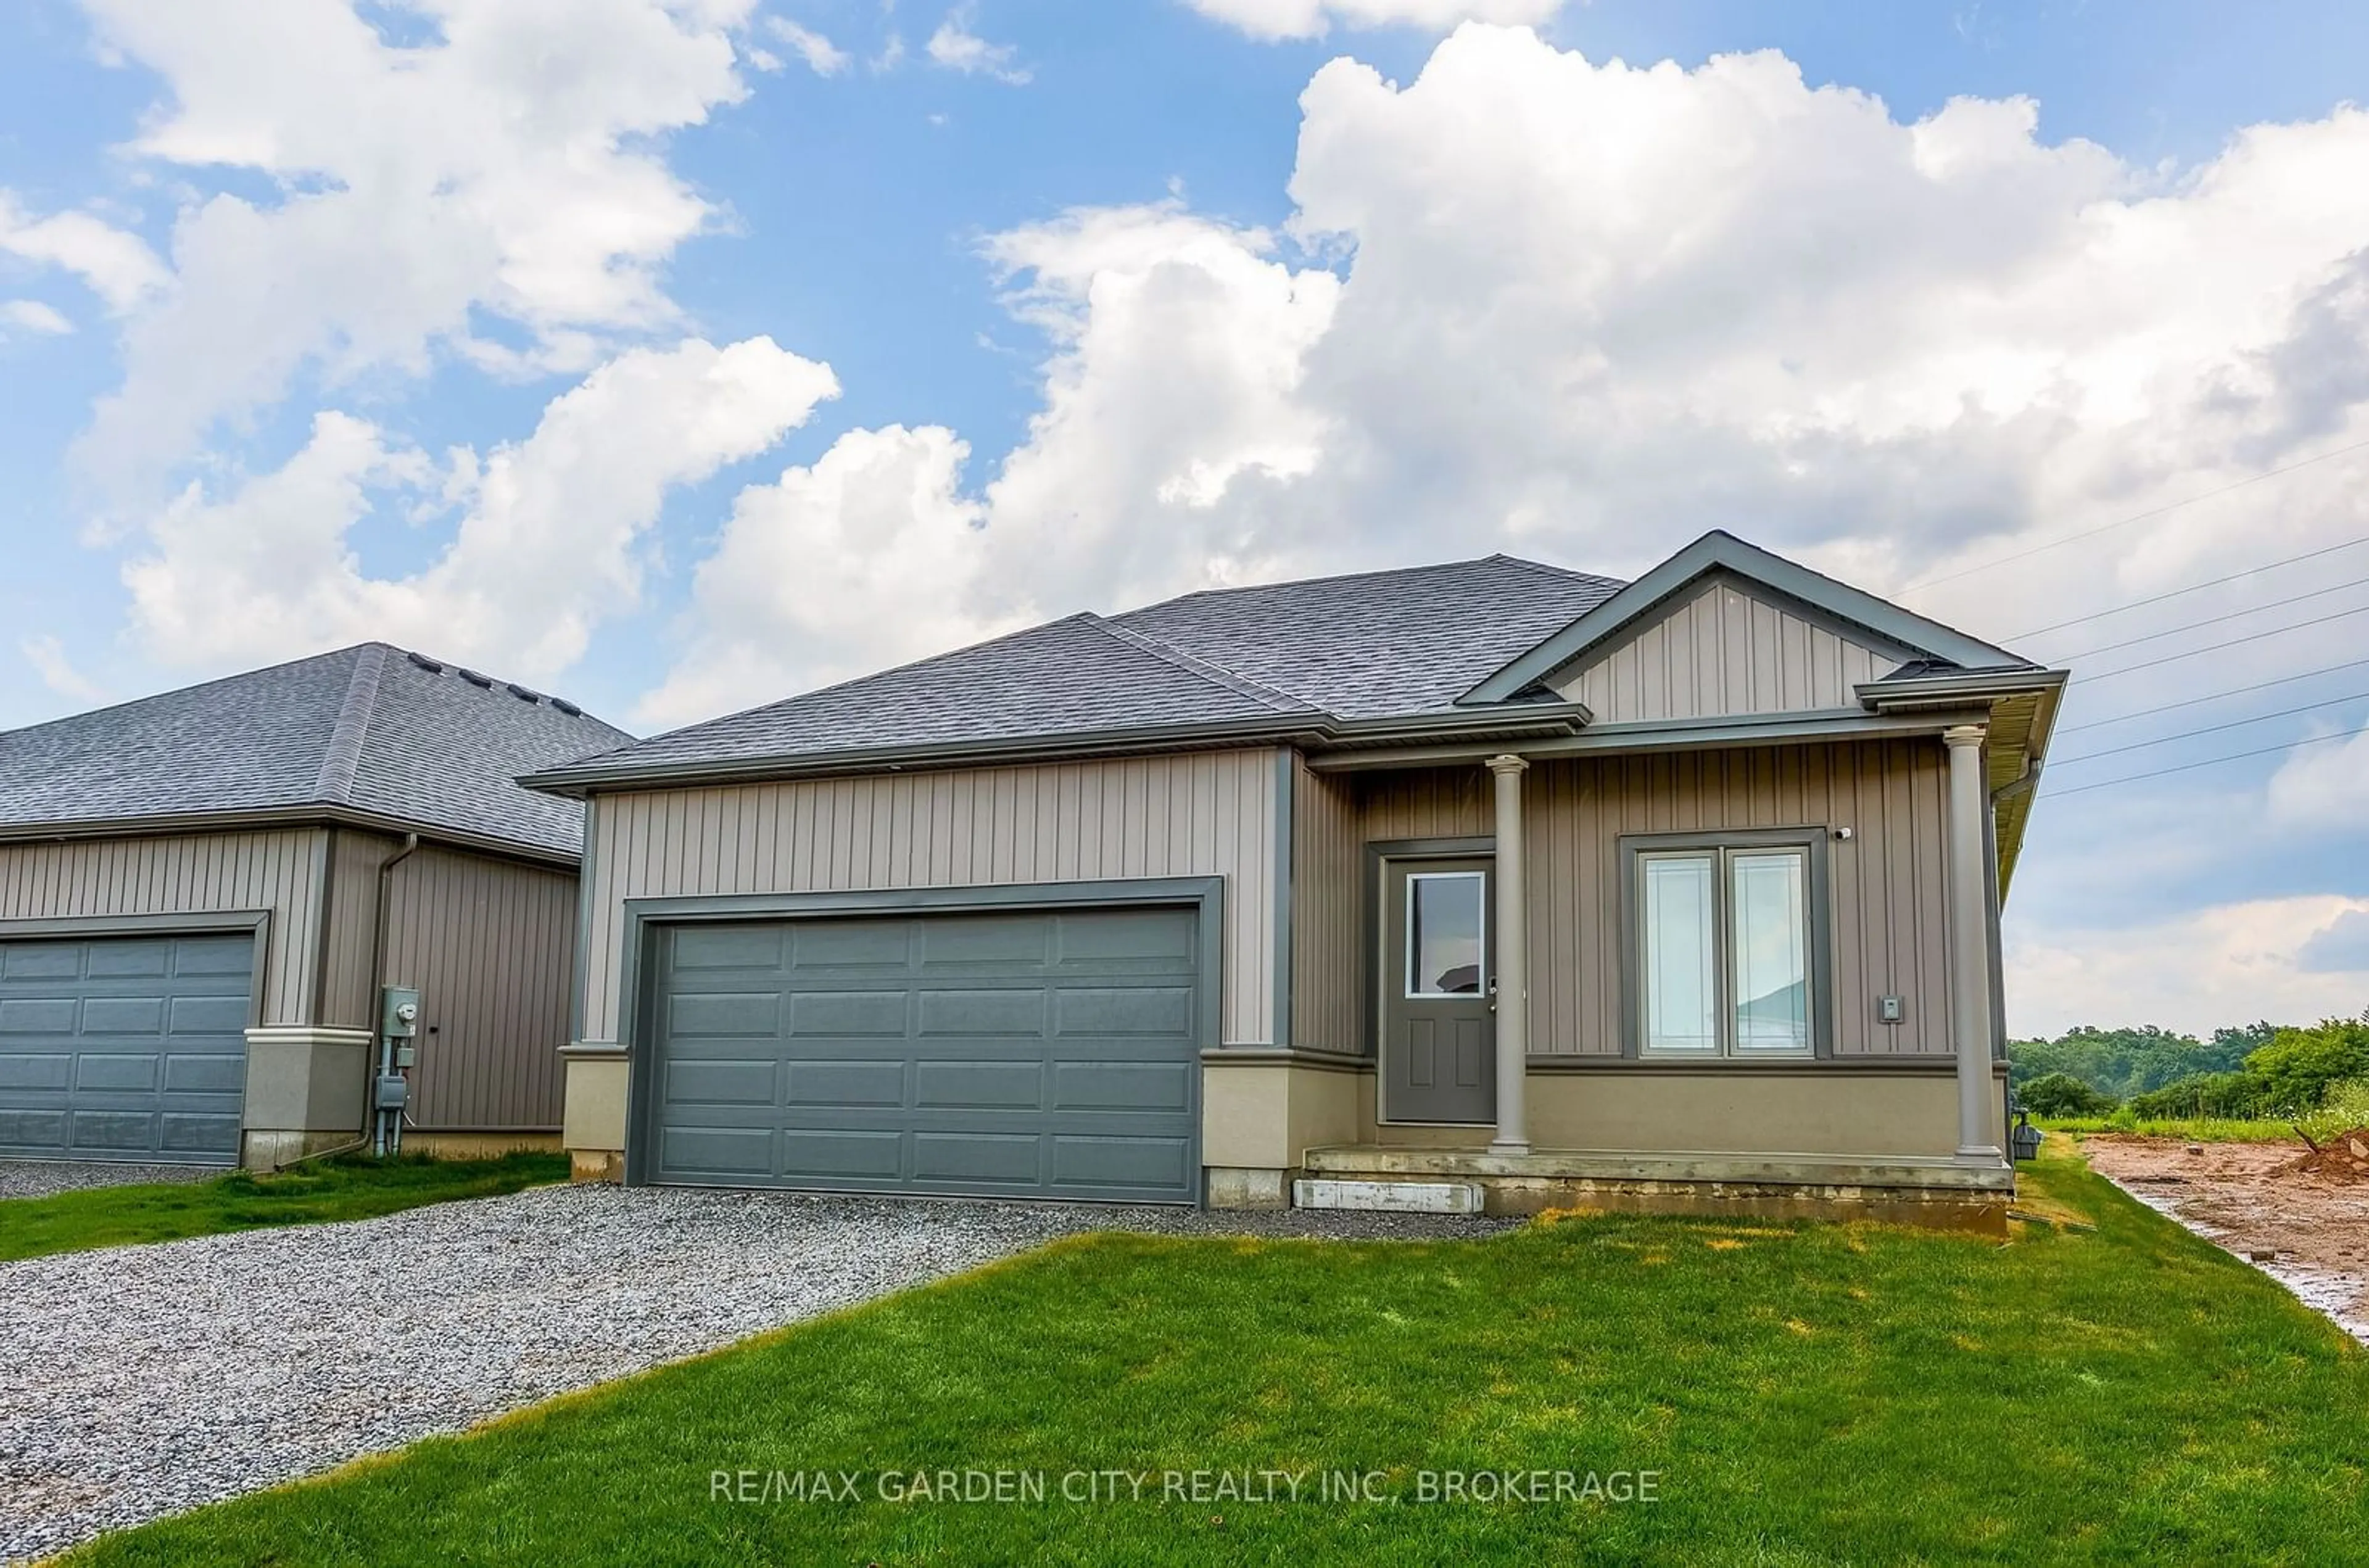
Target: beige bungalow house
x,y
1493,881
204,896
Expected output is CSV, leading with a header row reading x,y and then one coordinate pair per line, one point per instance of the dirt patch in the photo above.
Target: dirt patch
x,y
2344,1157
2302,1218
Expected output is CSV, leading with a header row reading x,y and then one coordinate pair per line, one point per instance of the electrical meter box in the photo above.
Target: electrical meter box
x,y
398,1012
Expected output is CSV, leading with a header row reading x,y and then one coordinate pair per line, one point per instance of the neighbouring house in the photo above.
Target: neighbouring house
x,y
203,893
1490,879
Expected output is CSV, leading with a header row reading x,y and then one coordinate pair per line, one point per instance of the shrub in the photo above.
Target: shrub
x,y
2237,1094
2062,1094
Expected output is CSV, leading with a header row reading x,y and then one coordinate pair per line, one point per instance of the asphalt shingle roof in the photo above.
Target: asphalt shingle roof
x,y
369,729
1375,645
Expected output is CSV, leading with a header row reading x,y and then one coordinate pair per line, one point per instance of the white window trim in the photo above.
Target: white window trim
x,y
1721,847
1406,956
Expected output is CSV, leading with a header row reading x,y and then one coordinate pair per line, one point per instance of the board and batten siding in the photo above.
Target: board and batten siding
x,y
1193,814
281,871
1328,937
491,946
1889,906
1723,651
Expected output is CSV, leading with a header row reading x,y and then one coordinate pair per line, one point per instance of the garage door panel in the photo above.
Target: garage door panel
x,y
1142,1010
971,1013
124,1048
120,959
739,1015
1007,1055
223,957
978,1085
1152,938
193,1136
720,1150
1122,1086
41,961
110,1073
701,947
46,1072
112,1132
207,1015
863,1153
123,1016
1146,1163
846,1083
845,1014
189,1072
52,1016
851,945
1004,942
721,1082
1008,1159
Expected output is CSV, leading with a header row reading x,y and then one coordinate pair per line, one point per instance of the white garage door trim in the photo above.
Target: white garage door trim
x,y
253,924
646,918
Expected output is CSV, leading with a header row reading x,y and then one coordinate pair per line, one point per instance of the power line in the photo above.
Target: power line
x,y
2216,619
2217,647
2212,697
2209,761
2192,587
2136,517
2209,730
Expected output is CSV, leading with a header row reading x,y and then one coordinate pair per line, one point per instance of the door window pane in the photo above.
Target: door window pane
x,y
1681,976
1768,901
1444,926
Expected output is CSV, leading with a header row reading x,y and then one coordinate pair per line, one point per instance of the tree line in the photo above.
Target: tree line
x,y
2260,1069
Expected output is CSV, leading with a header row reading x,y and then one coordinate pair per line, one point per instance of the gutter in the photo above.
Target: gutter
x,y
1968,686
282,816
1308,732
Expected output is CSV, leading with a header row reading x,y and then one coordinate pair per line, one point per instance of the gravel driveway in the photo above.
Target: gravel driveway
x,y
39,1178
139,1382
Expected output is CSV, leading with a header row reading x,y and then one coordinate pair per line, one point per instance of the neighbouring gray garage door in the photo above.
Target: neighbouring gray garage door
x,y
1040,1055
124,1048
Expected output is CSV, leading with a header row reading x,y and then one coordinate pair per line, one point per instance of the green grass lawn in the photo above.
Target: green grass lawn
x,y
353,1188
1807,1394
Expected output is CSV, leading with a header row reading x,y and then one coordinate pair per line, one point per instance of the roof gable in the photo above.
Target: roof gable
x,y
1725,646
1876,624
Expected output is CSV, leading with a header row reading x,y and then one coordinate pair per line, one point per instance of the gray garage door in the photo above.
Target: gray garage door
x,y
1040,1055
124,1049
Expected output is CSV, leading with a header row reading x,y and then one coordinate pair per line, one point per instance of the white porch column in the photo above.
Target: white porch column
x,y
1512,961
1970,952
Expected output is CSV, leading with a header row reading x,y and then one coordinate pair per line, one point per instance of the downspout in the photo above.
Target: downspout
x,y
385,1062
370,1066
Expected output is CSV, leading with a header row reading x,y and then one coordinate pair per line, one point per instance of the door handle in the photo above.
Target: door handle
x,y
1492,996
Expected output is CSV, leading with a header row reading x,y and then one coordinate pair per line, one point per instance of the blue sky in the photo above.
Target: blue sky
x,y
1118,301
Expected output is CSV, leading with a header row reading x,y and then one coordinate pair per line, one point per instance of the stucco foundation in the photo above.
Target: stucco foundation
x,y
592,1127
304,1092
1261,1110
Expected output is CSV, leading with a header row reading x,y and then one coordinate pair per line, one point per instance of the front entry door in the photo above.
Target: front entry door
x,y
1438,1046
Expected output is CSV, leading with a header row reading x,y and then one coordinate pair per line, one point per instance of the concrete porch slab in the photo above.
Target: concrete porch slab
x,y
1930,1191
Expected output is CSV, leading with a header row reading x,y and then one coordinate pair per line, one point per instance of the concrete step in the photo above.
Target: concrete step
x,y
1399,1196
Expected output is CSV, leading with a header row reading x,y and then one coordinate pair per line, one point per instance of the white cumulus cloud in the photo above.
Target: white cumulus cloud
x,y
117,264
32,315
957,48
484,174
547,547
822,57
1273,20
867,557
